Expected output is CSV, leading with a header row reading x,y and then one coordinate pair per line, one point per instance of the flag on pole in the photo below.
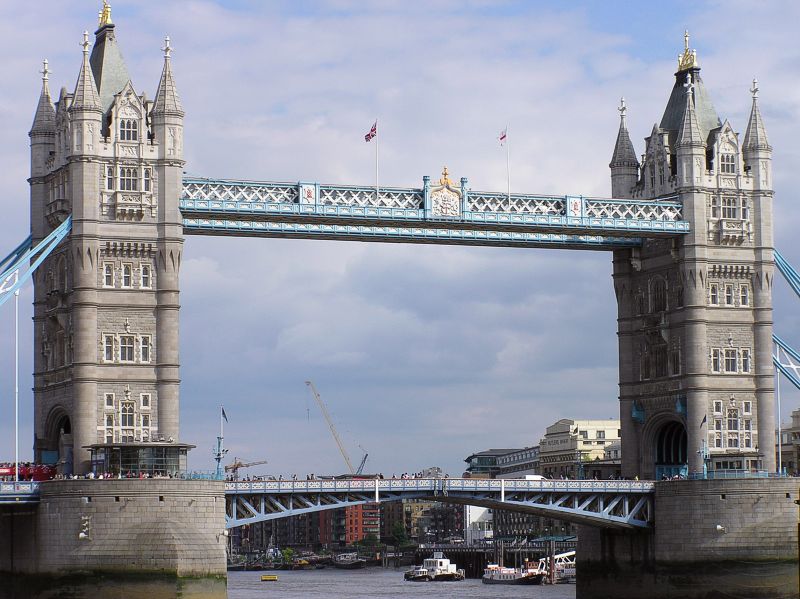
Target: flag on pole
x,y
704,420
503,136
224,415
372,132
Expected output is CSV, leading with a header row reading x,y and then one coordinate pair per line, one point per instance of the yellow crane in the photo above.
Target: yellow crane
x,y
237,463
327,416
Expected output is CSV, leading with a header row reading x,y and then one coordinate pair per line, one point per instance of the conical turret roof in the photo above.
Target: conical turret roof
x,y
108,66
45,119
624,154
86,96
167,100
689,133
756,136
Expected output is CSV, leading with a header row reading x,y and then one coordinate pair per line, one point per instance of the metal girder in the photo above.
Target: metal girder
x,y
271,209
17,267
595,503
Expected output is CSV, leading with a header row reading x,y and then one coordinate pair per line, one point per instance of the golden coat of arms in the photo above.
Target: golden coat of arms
x,y
445,197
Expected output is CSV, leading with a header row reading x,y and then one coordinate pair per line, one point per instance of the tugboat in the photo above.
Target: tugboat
x,y
435,569
528,574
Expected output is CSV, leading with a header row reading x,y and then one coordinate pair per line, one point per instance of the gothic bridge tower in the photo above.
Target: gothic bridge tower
x,y
695,313
106,302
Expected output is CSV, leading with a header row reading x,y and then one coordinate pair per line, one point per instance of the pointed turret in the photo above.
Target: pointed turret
x,y
108,67
86,96
689,134
45,120
756,136
167,100
624,165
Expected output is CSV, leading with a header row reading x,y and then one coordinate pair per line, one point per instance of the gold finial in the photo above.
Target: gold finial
x,y
445,180
105,14
688,59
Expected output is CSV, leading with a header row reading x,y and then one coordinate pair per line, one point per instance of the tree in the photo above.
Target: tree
x,y
287,555
399,534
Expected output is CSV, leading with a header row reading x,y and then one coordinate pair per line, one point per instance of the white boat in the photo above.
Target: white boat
x,y
565,566
528,574
437,568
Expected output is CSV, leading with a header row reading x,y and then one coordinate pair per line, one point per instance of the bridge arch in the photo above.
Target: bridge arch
x,y
58,439
668,447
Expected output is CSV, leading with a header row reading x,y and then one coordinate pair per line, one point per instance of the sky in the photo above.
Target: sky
x,y
423,354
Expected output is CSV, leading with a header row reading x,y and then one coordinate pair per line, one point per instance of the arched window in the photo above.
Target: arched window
x,y
147,180
127,415
658,295
110,178
128,179
128,130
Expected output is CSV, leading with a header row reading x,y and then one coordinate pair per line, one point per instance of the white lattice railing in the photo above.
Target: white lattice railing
x,y
516,204
235,191
669,211
365,197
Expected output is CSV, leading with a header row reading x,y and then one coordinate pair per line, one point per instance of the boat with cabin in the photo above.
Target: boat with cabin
x,y
349,561
435,569
529,573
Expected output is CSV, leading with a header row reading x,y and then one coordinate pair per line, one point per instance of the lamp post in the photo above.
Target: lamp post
x,y
578,465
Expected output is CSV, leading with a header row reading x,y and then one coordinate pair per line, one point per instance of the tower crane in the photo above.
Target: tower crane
x,y
237,463
327,416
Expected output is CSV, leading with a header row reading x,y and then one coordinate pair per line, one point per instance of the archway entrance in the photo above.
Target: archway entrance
x,y
58,451
671,456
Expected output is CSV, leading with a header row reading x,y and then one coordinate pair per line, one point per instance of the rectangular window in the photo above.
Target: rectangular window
x,y
713,293
108,274
147,278
748,425
731,361
716,362
109,420
748,407
714,207
147,180
128,130
127,415
729,208
718,441
718,424
109,437
109,400
601,434
718,407
584,434
744,295
145,348
733,420
127,275
126,348
727,163
728,295
746,361
748,442
110,178
108,348
128,179
146,420
733,440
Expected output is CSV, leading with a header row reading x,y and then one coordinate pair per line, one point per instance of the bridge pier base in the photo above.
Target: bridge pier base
x,y
164,527
711,539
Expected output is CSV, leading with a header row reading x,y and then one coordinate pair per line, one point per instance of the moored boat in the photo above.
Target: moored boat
x,y
349,561
417,574
438,568
528,574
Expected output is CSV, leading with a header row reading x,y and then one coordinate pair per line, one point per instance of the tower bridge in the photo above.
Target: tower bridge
x,y
690,229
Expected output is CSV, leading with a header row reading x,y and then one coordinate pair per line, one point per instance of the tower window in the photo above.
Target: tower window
x,y
127,275
108,274
733,419
748,406
147,179
145,348
108,350
109,420
744,295
729,208
128,179
727,163
127,415
147,279
146,421
718,407
728,295
109,400
126,348
731,361
715,207
713,294
716,361
745,210
110,177
145,400
658,292
746,367
128,130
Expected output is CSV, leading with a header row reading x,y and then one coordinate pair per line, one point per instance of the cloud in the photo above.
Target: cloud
x,y
423,354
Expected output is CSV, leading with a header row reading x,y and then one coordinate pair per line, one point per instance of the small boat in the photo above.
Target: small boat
x,y
269,578
349,561
528,574
435,569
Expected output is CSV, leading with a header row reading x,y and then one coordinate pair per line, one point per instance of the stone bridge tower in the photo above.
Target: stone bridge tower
x,y
695,313
106,302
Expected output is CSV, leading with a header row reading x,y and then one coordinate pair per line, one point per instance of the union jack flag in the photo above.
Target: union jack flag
x,y
372,132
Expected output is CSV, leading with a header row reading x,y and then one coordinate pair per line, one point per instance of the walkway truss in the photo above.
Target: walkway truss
x,y
608,504
443,213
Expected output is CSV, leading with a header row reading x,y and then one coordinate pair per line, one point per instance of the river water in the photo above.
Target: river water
x,y
376,583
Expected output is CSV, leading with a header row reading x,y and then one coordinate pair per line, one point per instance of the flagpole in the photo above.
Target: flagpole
x,y
377,143
508,164
16,385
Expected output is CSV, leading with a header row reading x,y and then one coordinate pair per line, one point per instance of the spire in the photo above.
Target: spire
x,y
687,60
689,132
756,136
45,119
86,96
108,66
624,154
167,100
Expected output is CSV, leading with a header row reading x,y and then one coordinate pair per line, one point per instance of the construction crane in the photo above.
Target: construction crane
x,y
237,463
361,465
327,416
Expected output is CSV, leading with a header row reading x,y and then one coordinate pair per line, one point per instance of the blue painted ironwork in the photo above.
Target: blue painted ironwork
x,y
786,359
609,504
17,268
19,492
271,209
